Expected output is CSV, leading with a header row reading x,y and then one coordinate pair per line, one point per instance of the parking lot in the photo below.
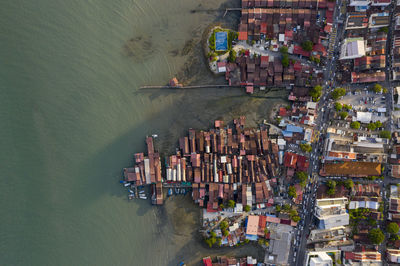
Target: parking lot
x,y
367,101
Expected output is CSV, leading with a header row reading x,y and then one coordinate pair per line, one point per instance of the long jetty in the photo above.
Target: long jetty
x,y
189,87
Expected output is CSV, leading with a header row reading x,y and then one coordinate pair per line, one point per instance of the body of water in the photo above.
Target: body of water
x,y
72,116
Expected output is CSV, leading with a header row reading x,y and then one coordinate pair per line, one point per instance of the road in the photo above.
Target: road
x,y
298,251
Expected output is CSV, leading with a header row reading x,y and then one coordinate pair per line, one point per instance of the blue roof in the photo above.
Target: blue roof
x,y
221,41
287,134
292,128
252,237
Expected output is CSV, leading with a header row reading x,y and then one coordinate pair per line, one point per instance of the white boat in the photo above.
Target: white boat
x,y
154,136
142,197
127,184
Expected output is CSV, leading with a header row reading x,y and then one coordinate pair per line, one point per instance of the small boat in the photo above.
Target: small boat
x,y
141,191
127,184
122,181
169,192
154,136
142,197
176,191
131,191
131,196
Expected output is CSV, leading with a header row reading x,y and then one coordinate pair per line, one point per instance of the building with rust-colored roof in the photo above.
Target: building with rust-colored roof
x,y
350,168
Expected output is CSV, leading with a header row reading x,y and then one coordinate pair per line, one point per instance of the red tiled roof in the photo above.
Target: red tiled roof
x,y
299,50
242,36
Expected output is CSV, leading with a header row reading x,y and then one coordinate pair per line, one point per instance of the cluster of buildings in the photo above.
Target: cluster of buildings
x,y
395,53
341,226
228,261
225,163
267,26
363,48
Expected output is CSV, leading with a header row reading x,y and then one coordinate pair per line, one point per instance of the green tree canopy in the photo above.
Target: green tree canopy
x,y
378,124
338,106
385,134
283,50
231,204
285,60
223,225
331,184
278,208
355,125
348,183
247,208
343,115
232,56
377,88
307,45
316,93
376,236
296,218
348,107
292,192
371,126
392,228
338,92
306,147
286,207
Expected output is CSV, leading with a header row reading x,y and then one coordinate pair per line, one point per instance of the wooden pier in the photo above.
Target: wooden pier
x,y
190,87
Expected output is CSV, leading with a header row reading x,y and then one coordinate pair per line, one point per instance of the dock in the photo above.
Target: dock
x,y
189,87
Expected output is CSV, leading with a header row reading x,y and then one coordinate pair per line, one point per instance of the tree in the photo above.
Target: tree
x,y
208,242
378,124
286,207
338,106
376,236
316,93
307,45
296,218
385,134
392,228
343,115
371,126
306,147
317,60
292,192
283,50
247,208
302,177
384,29
221,206
331,184
278,208
355,125
266,231
213,234
219,242
348,107
225,232
385,90
338,92
232,56
223,225
231,204
377,88
285,60
348,183
331,191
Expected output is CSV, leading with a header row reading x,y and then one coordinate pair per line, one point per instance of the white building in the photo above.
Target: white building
x,y
352,48
319,258
364,117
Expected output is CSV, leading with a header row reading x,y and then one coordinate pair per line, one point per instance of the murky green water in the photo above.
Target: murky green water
x,y
71,117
